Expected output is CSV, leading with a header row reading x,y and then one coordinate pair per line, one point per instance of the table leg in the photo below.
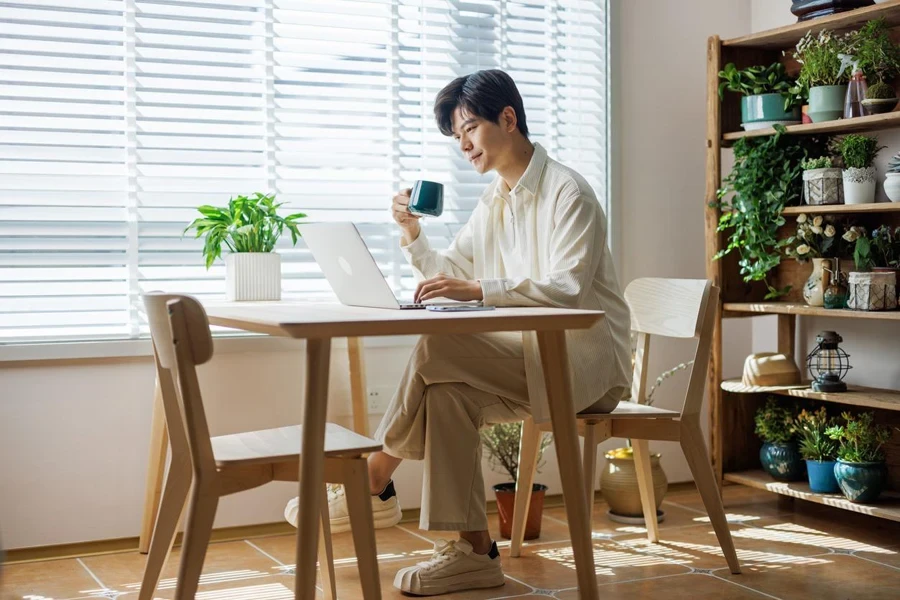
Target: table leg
x,y
159,446
554,360
315,404
357,359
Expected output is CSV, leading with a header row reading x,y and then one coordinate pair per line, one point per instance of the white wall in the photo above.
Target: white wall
x,y
75,438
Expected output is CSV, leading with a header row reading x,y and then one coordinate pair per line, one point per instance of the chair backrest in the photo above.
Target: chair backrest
x,y
181,341
676,308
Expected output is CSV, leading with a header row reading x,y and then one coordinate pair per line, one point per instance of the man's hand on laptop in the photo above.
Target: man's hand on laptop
x,y
442,286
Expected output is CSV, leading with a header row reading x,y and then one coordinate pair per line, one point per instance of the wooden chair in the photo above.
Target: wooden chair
x,y
208,468
677,308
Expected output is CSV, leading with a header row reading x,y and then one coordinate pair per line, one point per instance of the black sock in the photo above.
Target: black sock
x,y
388,492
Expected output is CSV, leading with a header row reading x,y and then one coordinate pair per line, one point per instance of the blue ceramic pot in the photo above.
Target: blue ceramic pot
x,y
782,461
821,476
861,482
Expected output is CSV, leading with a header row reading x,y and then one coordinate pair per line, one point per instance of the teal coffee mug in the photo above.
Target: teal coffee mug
x,y
427,199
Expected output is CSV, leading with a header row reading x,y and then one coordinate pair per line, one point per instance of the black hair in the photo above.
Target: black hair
x,y
483,94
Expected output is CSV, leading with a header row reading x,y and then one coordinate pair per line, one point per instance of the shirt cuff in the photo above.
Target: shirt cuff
x,y
494,291
417,247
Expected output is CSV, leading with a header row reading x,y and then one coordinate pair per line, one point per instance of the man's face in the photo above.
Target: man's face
x,y
481,142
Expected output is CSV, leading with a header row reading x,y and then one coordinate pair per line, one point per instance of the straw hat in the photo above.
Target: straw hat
x,y
766,372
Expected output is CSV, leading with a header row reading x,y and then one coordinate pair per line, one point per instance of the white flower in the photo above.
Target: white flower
x,y
818,221
851,235
802,249
801,218
816,229
830,231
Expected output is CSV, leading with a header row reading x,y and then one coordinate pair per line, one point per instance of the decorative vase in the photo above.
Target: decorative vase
x,y
814,288
619,486
253,276
506,502
823,186
892,186
859,185
826,102
861,482
821,476
782,461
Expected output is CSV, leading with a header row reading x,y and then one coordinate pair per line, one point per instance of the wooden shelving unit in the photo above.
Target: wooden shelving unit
x,y
734,447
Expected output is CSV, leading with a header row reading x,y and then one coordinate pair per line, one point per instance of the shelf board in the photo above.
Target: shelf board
x,y
788,36
855,395
839,126
879,207
886,507
789,308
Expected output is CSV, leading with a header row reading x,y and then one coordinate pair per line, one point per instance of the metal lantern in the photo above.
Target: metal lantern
x,y
828,363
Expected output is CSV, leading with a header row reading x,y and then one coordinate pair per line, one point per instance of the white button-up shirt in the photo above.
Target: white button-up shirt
x,y
543,243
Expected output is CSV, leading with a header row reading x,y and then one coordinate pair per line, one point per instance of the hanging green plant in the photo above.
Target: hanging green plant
x,y
767,176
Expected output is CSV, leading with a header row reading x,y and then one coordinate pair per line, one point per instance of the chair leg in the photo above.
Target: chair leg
x,y
362,525
589,460
197,531
178,485
695,452
529,444
326,551
641,449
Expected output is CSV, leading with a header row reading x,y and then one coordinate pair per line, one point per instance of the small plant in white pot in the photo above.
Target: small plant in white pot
x,y
248,227
858,153
892,179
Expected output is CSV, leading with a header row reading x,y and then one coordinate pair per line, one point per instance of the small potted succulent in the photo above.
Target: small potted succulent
x,y
822,181
779,455
880,98
861,471
858,153
767,99
821,78
892,179
818,450
879,58
248,227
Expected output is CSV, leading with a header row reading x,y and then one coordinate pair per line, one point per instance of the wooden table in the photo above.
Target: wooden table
x,y
319,323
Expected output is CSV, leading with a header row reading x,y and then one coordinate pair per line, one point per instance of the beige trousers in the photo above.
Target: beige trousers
x,y
453,386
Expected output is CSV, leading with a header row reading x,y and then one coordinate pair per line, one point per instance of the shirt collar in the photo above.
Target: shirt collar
x,y
529,180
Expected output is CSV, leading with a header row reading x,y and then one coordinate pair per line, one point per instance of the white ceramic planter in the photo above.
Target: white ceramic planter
x,y
859,185
253,276
892,186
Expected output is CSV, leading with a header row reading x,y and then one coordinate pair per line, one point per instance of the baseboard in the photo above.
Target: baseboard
x,y
225,534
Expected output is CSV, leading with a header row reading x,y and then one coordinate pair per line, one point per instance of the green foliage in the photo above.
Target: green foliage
x,y
858,151
822,162
876,54
814,238
767,176
775,422
245,225
880,91
860,438
759,80
814,443
502,444
819,62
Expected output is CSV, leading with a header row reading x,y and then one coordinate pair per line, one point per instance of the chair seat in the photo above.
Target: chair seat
x,y
283,444
631,410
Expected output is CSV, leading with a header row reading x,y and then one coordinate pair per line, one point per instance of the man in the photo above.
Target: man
x,y
536,238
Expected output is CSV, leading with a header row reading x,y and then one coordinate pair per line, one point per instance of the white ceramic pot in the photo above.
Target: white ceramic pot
x,y
859,185
253,276
814,288
892,186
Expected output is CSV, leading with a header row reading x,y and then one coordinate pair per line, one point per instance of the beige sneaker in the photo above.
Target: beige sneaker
x,y
385,509
452,568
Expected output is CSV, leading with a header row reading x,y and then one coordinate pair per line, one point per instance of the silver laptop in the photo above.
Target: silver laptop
x,y
350,268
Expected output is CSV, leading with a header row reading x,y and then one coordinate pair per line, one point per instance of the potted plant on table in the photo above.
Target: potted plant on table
x,y
775,426
860,471
818,450
768,97
502,441
858,153
248,227
821,78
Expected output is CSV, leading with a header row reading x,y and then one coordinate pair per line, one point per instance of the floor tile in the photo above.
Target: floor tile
x,y
679,587
56,579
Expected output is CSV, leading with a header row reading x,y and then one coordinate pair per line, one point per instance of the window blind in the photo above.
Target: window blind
x,y
119,117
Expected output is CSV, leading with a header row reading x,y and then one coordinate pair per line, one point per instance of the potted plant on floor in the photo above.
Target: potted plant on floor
x,y
779,455
814,240
248,227
860,471
818,450
502,441
768,97
858,153
821,78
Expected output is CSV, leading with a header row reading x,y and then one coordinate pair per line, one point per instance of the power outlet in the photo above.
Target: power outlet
x,y
379,397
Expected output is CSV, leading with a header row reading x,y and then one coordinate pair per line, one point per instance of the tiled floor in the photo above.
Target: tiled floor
x,y
810,552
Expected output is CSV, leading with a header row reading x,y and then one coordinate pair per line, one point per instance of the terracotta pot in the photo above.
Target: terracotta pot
x,y
506,500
